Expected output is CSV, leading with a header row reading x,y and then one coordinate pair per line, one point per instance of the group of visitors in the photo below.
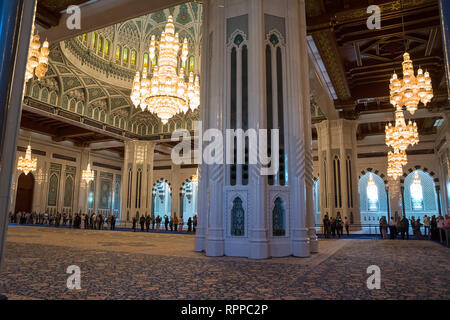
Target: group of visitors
x,y
333,227
173,223
433,228
79,220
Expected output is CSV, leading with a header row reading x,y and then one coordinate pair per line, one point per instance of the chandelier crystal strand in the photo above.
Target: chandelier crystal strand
x,y
401,135
411,89
396,160
166,93
195,178
27,164
88,175
37,57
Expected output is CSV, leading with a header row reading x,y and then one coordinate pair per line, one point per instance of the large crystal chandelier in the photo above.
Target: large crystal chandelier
x,y
166,93
401,135
195,178
88,175
37,58
27,164
396,160
411,89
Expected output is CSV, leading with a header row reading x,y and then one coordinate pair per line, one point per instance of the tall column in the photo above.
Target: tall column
x,y
137,178
244,212
84,186
337,152
306,113
17,17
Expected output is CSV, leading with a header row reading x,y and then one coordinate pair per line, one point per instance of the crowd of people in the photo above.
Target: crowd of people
x,y
333,227
433,227
77,220
100,222
170,223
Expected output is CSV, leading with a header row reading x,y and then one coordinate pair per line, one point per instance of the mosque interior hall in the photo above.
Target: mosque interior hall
x,y
126,143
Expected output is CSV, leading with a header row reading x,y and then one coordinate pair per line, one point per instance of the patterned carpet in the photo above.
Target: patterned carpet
x,y
35,265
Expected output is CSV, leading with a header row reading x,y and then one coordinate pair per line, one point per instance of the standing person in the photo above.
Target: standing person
x,y
142,222
109,221
93,220
134,224
426,226
433,229
404,228
113,222
58,219
338,225
392,228
158,222
384,227
175,223
171,224
440,227
347,226
166,222
418,233
147,223
413,225
181,223
189,223
70,219
194,223
333,226
326,226
153,222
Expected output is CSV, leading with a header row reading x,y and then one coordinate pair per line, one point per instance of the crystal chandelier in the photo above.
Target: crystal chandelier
x,y
401,135
166,93
27,164
411,89
88,174
396,160
37,58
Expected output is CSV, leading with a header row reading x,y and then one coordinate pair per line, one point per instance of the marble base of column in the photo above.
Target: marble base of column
x,y
300,243
313,241
258,245
215,245
200,240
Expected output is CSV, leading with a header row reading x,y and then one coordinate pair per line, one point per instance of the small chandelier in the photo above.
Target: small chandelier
x,y
37,57
396,160
195,178
411,89
166,93
88,175
27,164
401,135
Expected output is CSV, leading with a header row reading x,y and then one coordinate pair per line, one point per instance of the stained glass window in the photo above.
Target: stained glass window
x,y
133,58
100,44
125,55
94,40
145,60
237,218
372,194
118,51
191,63
107,44
416,193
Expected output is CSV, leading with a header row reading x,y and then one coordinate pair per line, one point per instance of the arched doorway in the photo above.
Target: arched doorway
x,y
24,195
372,198
189,195
420,195
162,200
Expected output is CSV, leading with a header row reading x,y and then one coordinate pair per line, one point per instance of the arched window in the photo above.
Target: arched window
x,y
107,45
278,217
372,196
145,60
65,102
53,98
122,124
125,55
102,116
35,92
94,40
133,58
118,52
162,200
189,195
96,113
85,37
72,105
44,95
191,63
100,44
237,218
420,195
80,107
